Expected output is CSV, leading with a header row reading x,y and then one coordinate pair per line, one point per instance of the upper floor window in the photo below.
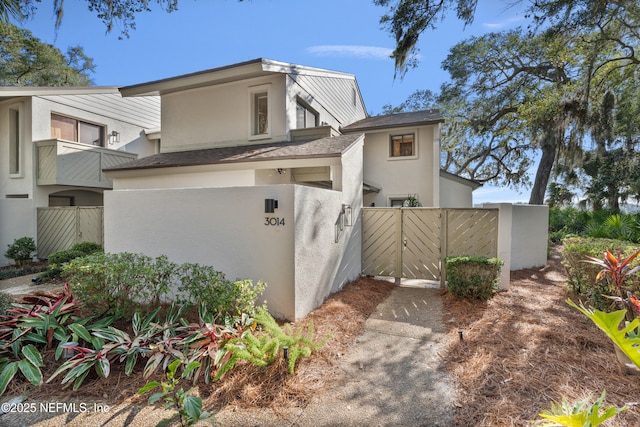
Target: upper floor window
x,y
15,159
261,114
305,116
76,130
402,146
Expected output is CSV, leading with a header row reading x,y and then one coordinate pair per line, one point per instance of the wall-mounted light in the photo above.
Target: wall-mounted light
x,y
114,136
347,215
270,205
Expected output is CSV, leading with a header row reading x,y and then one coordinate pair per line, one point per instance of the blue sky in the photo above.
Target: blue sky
x,y
339,35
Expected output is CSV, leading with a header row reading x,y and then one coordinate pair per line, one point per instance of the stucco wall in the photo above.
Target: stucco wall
x,y
398,177
322,265
17,219
522,236
219,116
529,241
221,227
455,195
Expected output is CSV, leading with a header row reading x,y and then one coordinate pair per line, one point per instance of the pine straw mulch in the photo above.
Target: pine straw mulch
x,y
525,348
341,317
521,350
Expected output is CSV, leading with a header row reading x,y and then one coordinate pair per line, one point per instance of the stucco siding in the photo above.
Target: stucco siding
x,y
454,194
17,219
400,177
322,264
221,227
219,116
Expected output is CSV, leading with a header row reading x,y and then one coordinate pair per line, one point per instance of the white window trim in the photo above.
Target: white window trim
x,y
20,173
415,146
253,90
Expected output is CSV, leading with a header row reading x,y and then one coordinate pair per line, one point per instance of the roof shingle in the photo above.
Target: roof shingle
x,y
318,148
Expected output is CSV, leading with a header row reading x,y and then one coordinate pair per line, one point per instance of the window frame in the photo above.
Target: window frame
x,y
307,111
78,125
414,146
16,132
254,93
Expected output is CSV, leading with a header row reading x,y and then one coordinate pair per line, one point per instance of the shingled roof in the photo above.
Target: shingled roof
x,y
415,118
324,147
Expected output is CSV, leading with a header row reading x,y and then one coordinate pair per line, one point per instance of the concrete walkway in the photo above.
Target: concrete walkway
x,y
390,377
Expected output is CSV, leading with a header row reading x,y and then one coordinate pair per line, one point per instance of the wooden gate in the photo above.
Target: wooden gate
x,y
59,228
413,242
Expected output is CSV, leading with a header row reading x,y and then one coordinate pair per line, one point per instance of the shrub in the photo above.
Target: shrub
x,y
5,303
21,249
87,248
221,297
472,276
119,283
62,256
17,272
125,282
582,275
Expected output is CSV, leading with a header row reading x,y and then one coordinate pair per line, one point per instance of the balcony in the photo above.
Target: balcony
x,y
62,162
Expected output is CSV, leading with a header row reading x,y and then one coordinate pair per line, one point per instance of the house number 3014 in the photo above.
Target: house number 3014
x,y
275,221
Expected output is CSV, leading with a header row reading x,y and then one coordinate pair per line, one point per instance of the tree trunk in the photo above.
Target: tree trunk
x,y
544,169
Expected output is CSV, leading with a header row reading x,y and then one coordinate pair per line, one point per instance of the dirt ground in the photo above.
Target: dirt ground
x,y
520,350
527,347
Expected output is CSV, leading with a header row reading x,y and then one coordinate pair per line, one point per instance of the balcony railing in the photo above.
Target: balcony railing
x,y
62,162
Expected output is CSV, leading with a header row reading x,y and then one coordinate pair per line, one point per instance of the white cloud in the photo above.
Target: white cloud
x,y
371,52
506,23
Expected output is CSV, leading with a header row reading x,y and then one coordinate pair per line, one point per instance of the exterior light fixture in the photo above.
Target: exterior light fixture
x,y
114,136
270,205
347,214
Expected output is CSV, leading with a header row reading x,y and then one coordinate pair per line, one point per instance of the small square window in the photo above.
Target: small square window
x,y
402,146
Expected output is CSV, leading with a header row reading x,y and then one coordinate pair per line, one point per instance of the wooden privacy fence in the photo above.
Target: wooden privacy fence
x,y
60,228
413,242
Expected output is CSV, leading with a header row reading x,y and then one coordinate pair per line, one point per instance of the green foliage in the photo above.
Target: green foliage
x,y
6,301
473,276
579,414
626,339
122,283
21,249
203,284
582,276
119,283
17,272
29,62
189,407
263,347
411,201
24,328
58,258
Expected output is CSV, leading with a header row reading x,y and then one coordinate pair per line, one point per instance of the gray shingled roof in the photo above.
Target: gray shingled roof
x,y
318,148
415,118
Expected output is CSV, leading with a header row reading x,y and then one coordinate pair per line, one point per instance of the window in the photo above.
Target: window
x,y
77,130
261,114
14,142
305,116
402,146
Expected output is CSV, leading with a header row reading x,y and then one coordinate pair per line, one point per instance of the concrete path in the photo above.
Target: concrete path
x,y
390,377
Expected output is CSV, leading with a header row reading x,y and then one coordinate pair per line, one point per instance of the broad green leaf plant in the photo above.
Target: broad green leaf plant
x,y
580,414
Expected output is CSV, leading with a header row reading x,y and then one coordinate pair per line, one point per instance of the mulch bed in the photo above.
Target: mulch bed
x,y
521,350
527,347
